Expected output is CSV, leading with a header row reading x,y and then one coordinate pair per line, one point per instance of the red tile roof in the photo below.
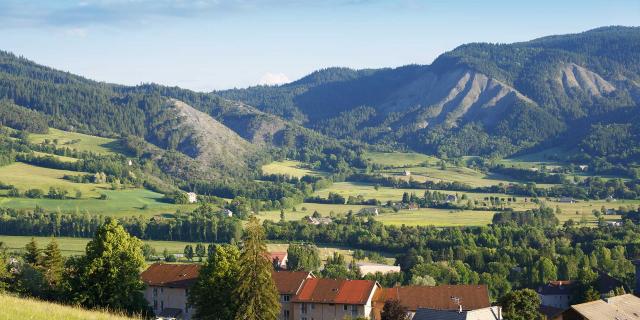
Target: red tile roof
x,y
290,282
336,291
445,297
279,255
171,275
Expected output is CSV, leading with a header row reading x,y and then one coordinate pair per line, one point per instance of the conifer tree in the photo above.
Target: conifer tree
x,y
32,254
53,263
256,289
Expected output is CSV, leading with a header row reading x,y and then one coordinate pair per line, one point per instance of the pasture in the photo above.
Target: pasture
x,y
29,308
400,159
437,217
77,141
290,167
307,209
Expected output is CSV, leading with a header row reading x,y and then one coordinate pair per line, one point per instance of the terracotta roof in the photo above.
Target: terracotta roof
x,y
339,291
446,297
279,255
171,275
290,282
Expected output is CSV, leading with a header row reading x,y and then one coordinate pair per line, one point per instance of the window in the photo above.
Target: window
x,y
286,314
162,305
344,307
286,298
303,308
155,304
313,306
354,310
155,292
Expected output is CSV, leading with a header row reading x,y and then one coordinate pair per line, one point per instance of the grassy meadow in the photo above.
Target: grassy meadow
x,y
437,217
77,141
400,159
290,167
28,308
323,209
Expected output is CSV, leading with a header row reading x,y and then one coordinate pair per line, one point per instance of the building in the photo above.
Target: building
x,y
371,268
406,173
371,211
317,221
279,260
227,212
289,285
566,200
451,198
556,294
446,297
334,299
192,197
551,313
489,313
623,307
168,287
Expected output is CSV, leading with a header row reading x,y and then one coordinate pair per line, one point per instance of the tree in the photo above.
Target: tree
x,y
200,251
108,276
213,294
53,265
303,257
521,305
256,292
188,252
32,253
393,310
5,275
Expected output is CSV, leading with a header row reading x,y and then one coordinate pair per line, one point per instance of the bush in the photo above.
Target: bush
x,y
34,193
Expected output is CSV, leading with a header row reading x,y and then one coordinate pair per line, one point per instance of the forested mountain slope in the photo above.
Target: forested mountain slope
x,y
479,99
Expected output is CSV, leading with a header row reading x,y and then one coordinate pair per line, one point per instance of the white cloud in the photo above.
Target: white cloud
x,y
76,32
271,79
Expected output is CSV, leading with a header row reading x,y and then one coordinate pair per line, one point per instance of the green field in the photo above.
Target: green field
x,y
399,159
118,203
450,174
383,194
437,217
61,158
77,141
290,167
28,308
323,209
76,246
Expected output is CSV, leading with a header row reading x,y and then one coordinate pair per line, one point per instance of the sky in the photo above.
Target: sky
x,y
209,45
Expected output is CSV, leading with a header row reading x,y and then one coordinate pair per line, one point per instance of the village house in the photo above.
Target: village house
x,y
334,299
192,197
566,200
556,294
279,260
318,221
289,285
489,313
446,297
371,211
623,307
227,213
167,288
371,268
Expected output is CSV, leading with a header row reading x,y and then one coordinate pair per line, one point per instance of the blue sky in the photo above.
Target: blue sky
x,y
217,44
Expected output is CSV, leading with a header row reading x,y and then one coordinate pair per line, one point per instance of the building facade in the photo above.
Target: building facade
x,y
167,289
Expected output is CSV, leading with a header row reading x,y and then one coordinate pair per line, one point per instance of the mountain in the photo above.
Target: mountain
x,y
478,99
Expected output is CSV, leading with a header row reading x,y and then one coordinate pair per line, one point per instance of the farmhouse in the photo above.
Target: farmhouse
x,y
372,268
369,211
279,260
227,212
192,197
318,221
566,200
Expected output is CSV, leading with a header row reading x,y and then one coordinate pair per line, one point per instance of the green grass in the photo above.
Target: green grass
x,y
383,194
290,167
28,308
437,217
399,159
118,203
61,158
323,209
78,141
450,174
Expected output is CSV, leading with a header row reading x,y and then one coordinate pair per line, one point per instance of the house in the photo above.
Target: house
x,y
318,221
289,285
610,211
446,297
623,307
556,294
371,268
167,287
192,197
227,212
614,223
489,313
451,198
372,211
583,167
413,206
566,200
406,173
279,260
330,299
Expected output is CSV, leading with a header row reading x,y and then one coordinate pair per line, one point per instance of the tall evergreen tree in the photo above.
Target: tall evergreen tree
x,y
109,273
4,267
213,294
256,291
53,264
32,252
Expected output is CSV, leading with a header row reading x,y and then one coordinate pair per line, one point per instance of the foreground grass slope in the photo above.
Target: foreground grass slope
x,y
22,308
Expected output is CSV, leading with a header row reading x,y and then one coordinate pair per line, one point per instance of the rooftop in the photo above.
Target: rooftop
x,y
446,297
290,282
339,291
171,275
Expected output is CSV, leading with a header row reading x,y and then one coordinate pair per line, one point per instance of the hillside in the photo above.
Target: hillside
x,y
23,308
478,99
